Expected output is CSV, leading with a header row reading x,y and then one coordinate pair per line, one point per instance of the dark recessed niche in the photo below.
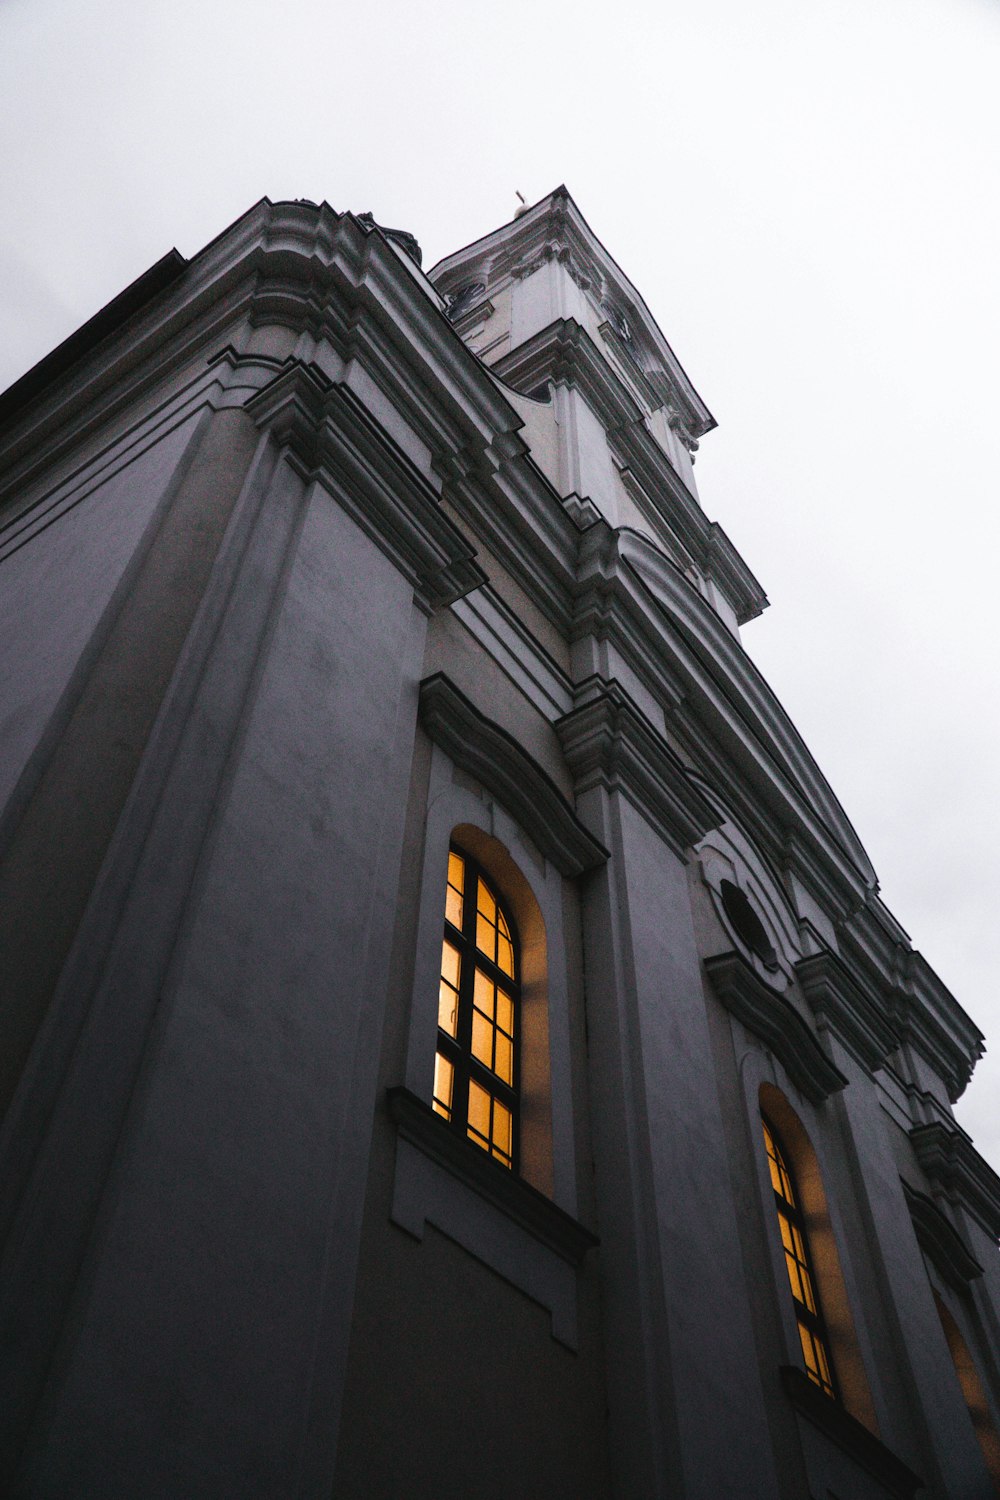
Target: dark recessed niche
x,y
746,924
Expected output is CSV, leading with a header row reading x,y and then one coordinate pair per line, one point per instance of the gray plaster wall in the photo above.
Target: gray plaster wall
x,y
61,569
456,1384
226,1232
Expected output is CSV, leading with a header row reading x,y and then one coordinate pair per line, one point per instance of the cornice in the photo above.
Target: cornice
x,y
112,317
521,520
609,744
479,746
565,354
776,1022
311,271
940,1241
336,442
953,1165
725,565
848,1009
926,1014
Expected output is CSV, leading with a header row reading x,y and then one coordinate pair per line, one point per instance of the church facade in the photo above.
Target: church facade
x,y
454,1042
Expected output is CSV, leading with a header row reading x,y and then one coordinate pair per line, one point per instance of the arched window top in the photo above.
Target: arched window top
x,y
476,1063
813,1335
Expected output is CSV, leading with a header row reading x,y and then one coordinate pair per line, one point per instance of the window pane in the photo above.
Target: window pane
x,y
501,1128
505,1013
824,1364
809,1352
453,904
485,990
791,1267
444,1078
486,937
486,903
504,1065
451,964
479,1110
505,948
807,1290
448,1009
482,1039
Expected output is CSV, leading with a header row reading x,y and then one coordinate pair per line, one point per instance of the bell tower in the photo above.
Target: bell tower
x,y
611,416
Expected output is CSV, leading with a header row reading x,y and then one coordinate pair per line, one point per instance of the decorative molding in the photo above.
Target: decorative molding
x,y
608,743
940,1240
929,1018
581,510
417,1123
727,568
921,1009
840,1003
777,1023
337,442
563,353
479,746
849,1434
953,1165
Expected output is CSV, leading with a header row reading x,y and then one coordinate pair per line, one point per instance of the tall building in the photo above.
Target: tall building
x,y
454,1045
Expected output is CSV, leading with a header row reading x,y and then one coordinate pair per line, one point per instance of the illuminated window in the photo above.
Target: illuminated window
x,y
972,1390
475,1067
808,1314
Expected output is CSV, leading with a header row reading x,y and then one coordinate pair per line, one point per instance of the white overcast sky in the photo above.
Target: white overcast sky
x,y
805,191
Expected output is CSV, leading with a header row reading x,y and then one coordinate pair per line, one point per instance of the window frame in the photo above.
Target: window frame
x,y
457,1048
811,1318
458,1191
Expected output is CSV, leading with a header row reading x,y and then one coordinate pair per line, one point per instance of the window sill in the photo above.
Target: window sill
x,y
544,1220
849,1434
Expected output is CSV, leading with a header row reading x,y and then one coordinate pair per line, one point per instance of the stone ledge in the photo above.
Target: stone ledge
x,y
849,1434
417,1123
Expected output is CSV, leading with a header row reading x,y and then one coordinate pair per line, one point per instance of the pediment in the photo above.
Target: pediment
x,y
776,1022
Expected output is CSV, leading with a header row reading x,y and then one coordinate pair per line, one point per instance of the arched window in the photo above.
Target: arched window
x,y
813,1335
972,1390
476,1063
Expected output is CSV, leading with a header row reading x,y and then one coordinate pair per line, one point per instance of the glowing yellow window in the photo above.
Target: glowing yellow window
x,y
475,1074
812,1332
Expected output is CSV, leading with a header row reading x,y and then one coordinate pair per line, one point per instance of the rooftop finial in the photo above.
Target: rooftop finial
x,y
522,206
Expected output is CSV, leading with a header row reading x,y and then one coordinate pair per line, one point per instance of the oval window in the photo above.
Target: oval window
x,y
746,924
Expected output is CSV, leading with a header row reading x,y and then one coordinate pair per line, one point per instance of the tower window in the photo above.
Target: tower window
x,y
808,1315
476,1063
